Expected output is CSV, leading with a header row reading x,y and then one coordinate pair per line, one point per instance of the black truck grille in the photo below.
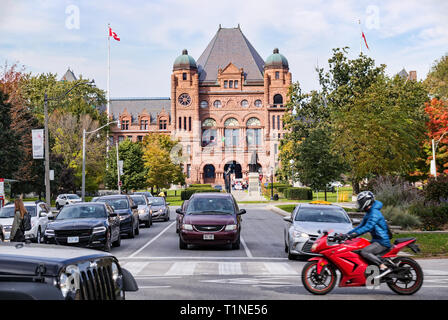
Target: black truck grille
x,y
97,284
213,228
73,233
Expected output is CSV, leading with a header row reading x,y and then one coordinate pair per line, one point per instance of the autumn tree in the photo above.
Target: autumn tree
x,y
437,79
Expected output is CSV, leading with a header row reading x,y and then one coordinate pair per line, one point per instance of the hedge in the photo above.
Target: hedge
x,y
186,194
200,186
433,216
298,193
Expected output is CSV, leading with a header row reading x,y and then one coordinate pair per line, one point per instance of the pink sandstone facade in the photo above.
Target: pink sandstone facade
x,y
222,109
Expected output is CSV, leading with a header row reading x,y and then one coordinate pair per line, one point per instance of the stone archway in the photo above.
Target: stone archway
x,y
236,169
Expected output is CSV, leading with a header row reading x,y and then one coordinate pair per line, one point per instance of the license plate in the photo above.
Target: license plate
x,y
209,237
72,239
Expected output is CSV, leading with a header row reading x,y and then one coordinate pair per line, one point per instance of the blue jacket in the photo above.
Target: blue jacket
x,y
374,223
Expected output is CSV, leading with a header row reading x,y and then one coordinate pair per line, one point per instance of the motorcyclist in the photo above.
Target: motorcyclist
x,y
374,223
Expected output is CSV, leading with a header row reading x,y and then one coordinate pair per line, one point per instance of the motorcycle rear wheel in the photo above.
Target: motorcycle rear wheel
x,y
318,284
414,276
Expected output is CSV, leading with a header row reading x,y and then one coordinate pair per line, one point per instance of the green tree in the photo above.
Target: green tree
x,y
10,152
437,79
134,171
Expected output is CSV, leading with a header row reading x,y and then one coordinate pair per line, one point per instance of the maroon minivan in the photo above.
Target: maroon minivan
x,y
210,219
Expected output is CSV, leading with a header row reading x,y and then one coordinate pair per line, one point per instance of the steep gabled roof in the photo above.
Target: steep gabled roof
x,y
230,45
69,76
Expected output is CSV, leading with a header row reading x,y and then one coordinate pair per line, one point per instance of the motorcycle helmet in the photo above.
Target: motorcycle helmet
x,y
364,200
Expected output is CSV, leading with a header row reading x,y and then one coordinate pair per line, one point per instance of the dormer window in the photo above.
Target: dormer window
x,y
236,84
125,125
231,84
226,84
184,76
277,75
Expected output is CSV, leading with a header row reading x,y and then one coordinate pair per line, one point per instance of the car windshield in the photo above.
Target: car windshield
x,y
8,212
72,197
139,200
323,214
116,203
82,212
210,206
156,201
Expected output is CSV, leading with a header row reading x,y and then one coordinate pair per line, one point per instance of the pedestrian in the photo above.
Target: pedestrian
x,y
17,229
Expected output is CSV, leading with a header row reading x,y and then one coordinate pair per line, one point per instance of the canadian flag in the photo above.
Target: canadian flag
x,y
113,34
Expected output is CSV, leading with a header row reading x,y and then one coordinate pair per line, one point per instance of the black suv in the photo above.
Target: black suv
x,y
125,207
48,272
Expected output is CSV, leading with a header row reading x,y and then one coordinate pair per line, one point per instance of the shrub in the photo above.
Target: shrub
x,y
437,189
200,186
399,216
433,215
186,194
395,191
298,193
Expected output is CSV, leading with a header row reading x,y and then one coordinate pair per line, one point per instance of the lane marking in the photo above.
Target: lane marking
x,y
153,287
151,241
181,269
230,268
246,248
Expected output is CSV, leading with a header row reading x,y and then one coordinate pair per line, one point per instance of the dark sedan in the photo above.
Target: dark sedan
x,y
159,208
90,225
125,207
211,219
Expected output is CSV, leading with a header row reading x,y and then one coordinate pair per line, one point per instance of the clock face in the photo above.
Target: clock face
x,y
184,99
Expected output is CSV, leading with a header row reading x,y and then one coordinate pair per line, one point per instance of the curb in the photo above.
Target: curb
x,y
278,211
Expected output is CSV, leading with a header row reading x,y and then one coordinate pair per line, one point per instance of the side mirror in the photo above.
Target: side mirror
x,y
179,211
287,219
242,211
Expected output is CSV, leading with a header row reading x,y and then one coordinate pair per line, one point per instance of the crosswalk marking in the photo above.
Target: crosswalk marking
x,y
135,267
230,268
181,269
279,268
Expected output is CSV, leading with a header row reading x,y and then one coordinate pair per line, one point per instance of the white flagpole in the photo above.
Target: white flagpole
x,y
108,84
360,34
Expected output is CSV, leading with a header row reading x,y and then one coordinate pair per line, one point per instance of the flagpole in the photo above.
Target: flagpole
x,y
108,84
360,38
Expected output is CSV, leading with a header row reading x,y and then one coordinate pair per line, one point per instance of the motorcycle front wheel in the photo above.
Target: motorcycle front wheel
x,y
318,283
408,277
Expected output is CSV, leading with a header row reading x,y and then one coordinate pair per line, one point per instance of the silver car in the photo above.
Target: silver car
x,y
144,214
64,199
39,220
306,224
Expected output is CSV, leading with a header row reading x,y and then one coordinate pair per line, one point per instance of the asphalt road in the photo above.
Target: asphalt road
x,y
259,270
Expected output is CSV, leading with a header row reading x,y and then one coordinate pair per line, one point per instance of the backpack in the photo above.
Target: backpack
x,y
26,222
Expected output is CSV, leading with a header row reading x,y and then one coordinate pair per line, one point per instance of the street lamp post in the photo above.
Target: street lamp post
x,y
84,134
434,148
272,183
47,144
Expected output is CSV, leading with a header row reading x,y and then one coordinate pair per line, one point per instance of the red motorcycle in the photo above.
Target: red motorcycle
x,y
338,253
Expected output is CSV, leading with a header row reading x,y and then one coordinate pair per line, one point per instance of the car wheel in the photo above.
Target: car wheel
x,y
117,242
236,245
131,233
148,223
39,236
107,245
291,256
182,244
137,230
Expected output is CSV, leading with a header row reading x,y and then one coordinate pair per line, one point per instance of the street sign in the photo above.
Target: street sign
x,y
38,143
51,174
2,187
120,166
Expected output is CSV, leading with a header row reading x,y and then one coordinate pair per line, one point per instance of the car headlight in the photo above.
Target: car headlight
x,y
160,210
141,211
99,229
187,227
117,277
49,232
69,281
230,227
299,234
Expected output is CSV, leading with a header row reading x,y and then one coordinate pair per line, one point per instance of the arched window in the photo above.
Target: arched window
x,y
209,122
209,171
231,122
231,134
278,100
209,132
253,122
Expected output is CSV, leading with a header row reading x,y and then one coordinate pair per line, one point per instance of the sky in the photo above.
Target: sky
x,y
52,35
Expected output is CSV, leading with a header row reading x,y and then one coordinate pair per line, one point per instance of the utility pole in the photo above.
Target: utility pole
x,y
118,169
83,186
47,153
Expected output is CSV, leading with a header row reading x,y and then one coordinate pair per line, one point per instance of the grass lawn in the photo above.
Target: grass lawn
x,y
430,244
